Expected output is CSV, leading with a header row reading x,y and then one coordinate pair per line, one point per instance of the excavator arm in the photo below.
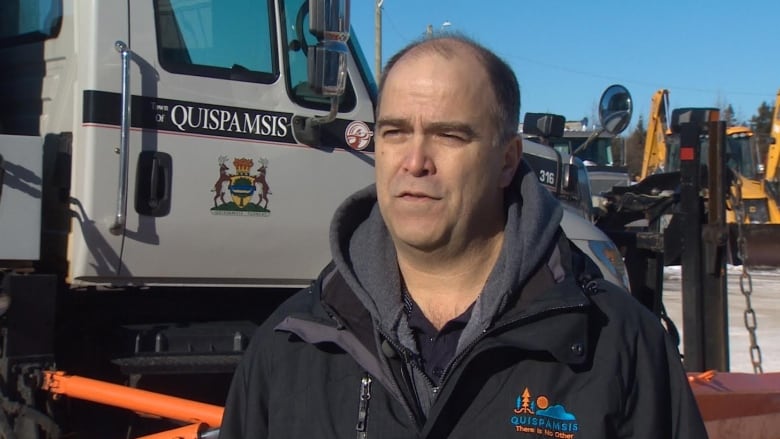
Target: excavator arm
x,y
773,155
772,167
655,141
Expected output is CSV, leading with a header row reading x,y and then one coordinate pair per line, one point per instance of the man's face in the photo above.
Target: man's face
x,y
439,177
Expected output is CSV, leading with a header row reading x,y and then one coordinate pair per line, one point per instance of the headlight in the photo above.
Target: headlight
x,y
610,257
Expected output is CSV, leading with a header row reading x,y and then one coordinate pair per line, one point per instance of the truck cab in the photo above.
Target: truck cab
x,y
569,179
213,164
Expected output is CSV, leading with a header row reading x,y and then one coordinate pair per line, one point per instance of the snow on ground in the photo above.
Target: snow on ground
x,y
673,271
765,301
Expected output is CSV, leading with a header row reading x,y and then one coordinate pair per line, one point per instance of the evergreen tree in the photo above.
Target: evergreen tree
x,y
729,116
635,148
761,124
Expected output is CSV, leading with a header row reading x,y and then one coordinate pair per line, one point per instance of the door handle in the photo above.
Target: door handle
x,y
153,183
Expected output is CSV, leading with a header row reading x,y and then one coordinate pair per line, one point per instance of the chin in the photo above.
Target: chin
x,y
420,241
418,231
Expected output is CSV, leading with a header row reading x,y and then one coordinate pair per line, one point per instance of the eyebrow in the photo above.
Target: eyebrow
x,y
397,122
460,127
434,127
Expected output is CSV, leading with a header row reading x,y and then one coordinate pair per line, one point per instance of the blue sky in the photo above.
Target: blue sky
x,y
565,53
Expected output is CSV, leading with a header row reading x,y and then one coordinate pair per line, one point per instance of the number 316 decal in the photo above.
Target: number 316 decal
x,y
547,177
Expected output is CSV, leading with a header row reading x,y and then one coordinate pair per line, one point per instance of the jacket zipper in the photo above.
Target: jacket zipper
x,y
417,365
404,372
365,396
418,416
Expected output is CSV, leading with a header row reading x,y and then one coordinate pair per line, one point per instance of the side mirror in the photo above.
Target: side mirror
x,y
615,109
327,62
327,69
329,20
544,125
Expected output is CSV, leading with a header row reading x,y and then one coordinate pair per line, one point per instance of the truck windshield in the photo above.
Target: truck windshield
x,y
23,21
739,154
598,152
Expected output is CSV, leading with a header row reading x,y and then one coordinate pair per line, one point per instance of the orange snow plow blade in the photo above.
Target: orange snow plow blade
x,y
738,405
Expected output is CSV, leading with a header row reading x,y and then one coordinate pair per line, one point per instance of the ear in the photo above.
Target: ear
x,y
513,151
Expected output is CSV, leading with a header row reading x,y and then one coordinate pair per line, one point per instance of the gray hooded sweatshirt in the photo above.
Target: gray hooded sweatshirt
x,y
363,252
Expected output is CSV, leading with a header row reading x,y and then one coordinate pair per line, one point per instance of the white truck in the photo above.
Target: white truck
x,y
169,169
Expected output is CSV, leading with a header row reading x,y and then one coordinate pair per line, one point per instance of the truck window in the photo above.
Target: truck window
x,y
228,39
739,155
24,21
298,38
598,152
561,145
603,152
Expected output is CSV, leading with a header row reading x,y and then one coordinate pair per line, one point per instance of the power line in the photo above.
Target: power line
x,y
393,25
638,81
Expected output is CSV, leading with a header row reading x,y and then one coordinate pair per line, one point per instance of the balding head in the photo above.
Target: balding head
x,y
505,105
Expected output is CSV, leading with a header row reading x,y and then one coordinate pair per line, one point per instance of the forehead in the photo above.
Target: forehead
x,y
443,74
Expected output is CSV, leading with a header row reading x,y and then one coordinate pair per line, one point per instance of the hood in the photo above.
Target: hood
x,y
364,254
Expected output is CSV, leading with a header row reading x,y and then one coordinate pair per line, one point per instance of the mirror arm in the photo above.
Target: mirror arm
x,y
330,117
307,129
587,142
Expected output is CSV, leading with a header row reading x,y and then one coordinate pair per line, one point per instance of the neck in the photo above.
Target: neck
x,y
444,286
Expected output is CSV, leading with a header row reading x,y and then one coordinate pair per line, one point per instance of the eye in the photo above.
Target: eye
x,y
392,133
453,137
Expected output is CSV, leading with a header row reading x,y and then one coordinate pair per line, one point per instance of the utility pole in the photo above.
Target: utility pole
x,y
378,39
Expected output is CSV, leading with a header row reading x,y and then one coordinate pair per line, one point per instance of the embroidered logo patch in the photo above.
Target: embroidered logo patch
x,y
539,417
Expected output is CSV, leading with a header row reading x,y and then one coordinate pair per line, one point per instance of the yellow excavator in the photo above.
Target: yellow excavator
x,y
772,165
754,195
655,151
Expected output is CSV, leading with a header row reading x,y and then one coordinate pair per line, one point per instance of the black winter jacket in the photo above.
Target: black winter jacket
x,y
544,355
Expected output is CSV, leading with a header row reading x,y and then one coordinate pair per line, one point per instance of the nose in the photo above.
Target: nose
x,y
418,161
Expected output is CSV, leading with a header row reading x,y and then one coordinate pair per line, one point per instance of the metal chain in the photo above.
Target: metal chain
x,y
745,281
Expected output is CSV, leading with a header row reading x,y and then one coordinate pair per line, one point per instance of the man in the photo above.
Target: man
x,y
452,307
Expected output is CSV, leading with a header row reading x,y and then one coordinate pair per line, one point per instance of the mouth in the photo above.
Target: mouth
x,y
417,196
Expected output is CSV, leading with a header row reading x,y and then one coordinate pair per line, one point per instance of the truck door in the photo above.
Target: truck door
x,y
82,72
220,190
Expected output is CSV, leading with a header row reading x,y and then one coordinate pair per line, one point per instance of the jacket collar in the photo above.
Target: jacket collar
x,y
555,317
